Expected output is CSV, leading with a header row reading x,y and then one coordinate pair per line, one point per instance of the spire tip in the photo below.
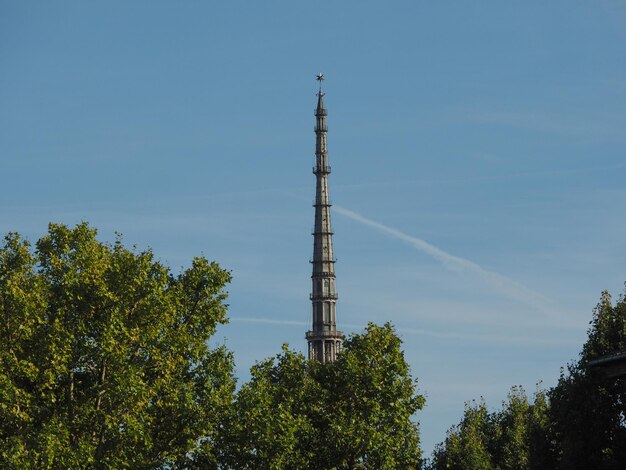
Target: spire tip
x,y
320,78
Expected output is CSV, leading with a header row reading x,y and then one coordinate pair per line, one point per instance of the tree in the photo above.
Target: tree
x,y
520,439
270,425
370,398
588,411
514,438
104,359
467,444
578,424
539,433
353,413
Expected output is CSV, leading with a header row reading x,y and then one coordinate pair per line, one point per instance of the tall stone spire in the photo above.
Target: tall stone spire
x,y
324,339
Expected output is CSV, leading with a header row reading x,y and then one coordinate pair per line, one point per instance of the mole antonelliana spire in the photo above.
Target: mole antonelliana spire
x,y
324,339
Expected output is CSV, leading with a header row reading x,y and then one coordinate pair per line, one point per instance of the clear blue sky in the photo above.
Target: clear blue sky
x,y
486,139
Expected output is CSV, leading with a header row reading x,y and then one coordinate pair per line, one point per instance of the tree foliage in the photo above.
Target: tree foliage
x,y
353,413
370,398
578,424
103,354
588,409
513,438
467,444
270,425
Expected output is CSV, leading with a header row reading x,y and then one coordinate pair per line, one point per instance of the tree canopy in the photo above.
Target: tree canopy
x,y
353,413
105,363
578,424
512,438
588,409
104,359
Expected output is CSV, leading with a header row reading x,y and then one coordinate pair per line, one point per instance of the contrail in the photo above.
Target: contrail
x,y
504,285
271,321
424,332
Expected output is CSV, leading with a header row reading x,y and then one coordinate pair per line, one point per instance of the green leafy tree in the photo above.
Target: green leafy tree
x,y
579,424
270,424
514,438
353,413
104,360
539,433
370,397
510,442
467,444
520,436
588,411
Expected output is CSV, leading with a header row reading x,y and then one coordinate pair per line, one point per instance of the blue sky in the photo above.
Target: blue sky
x,y
478,155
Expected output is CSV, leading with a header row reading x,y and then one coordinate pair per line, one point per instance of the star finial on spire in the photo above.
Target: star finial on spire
x,y
320,78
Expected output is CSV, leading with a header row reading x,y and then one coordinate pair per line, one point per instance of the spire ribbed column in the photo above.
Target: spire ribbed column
x,y
324,339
